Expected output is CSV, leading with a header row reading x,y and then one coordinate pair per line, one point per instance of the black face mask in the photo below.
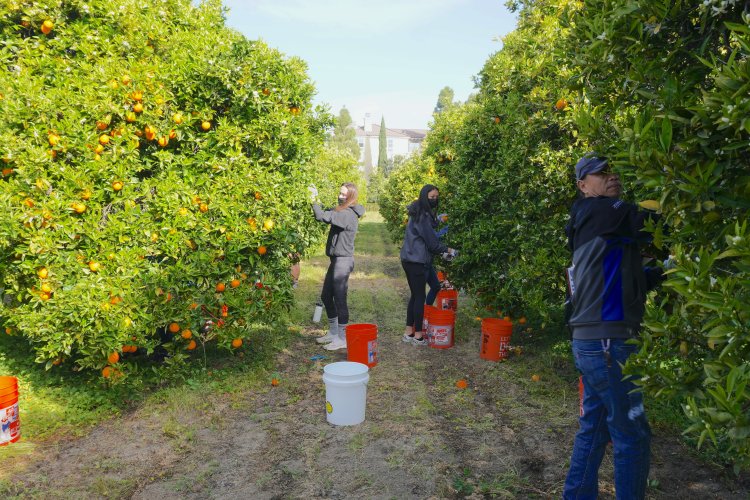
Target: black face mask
x,y
342,200
433,203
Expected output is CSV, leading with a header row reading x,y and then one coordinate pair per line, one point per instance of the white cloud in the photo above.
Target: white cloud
x,y
352,16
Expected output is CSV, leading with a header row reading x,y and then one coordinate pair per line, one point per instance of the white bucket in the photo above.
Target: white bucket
x,y
346,392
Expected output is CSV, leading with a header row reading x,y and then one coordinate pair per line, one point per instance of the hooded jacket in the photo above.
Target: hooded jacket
x,y
420,240
607,282
344,225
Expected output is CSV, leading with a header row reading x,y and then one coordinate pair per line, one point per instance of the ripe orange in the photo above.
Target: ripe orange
x,y
117,185
268,224
220,287
206,125
137,95
85,194
522,320
274,382
194,305
461,384
163,141
174,327
46,288
237,343
235,283
100,125
561,104
138,107
7,171
44,296
104,139
107,371
42,272
266,92
28,202
262,250
113,358
177,118
99,149
496,119
186,334
94,266
114,300
47,27
258,196
507,318
172,134
53,139
203,208
192,345
251,221
130,117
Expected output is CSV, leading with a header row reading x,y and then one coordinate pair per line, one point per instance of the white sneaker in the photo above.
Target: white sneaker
x,y
325,339
338,343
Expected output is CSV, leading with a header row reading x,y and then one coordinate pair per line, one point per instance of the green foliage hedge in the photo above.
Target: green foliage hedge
x,y
661,88
150,153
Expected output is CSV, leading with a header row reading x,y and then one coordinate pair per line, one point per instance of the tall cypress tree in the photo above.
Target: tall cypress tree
x,y
382,151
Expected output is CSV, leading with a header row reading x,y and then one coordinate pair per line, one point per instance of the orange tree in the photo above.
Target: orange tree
x,y
155,166
665,87
507,166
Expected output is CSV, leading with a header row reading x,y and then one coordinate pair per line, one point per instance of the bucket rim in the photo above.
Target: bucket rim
x,y
352,368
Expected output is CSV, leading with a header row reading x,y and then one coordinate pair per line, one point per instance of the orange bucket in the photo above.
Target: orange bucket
x,y
10,425
447,299
428,310
362,343
495,339
440,333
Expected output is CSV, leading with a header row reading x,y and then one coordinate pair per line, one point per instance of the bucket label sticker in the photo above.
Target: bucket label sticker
x,y
372,351
441,335
329,408
9,428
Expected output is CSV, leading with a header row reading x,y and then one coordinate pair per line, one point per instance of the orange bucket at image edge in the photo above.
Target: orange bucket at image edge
x,y
428,310
495,342
362,343
10,425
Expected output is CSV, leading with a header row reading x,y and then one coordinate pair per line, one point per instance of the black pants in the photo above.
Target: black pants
x,y
335,287
415,275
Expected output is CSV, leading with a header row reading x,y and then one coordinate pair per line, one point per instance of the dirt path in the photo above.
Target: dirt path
x,y
503,437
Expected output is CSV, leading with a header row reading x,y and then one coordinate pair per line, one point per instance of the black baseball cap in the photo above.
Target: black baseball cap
x,y
590,163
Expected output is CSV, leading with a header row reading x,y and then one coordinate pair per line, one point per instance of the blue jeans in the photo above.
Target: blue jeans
x,y
612,410
433,282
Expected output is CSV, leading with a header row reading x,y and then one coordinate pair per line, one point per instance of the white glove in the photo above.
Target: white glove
x,y
313,192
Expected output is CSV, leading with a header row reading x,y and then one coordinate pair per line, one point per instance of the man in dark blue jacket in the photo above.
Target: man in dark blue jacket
x,y
608,287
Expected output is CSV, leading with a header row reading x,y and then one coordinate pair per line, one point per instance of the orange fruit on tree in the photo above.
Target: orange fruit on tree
x,y
163,141
126,79
177,118
101,125
137,95
104,139
47,27
99,149
220,287
138,107
117,185
561,104
206,125
42,272
107,371
262,250
114,300
113,358
130,117
94,266
28,202
183,211
194,305
174,327
237,343
7,171
44,296
268,224
46,288
235,283
186,334
191,345
496,119
461,384
53,139
522,320
258,196
85,194
203,208
172,134
507,318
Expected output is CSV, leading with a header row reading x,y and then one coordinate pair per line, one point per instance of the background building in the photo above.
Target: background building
x,y
400,142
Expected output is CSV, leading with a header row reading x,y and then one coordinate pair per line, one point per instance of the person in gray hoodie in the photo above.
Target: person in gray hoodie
x,y
344,221
421,243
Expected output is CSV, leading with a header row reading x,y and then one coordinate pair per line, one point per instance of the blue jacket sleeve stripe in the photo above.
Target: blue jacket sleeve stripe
x,y
612,306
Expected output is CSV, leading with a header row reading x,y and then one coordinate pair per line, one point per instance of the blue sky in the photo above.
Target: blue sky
x,y
385,57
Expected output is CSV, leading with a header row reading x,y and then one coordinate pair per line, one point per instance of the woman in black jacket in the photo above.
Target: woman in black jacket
x,y
344,221
420,245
